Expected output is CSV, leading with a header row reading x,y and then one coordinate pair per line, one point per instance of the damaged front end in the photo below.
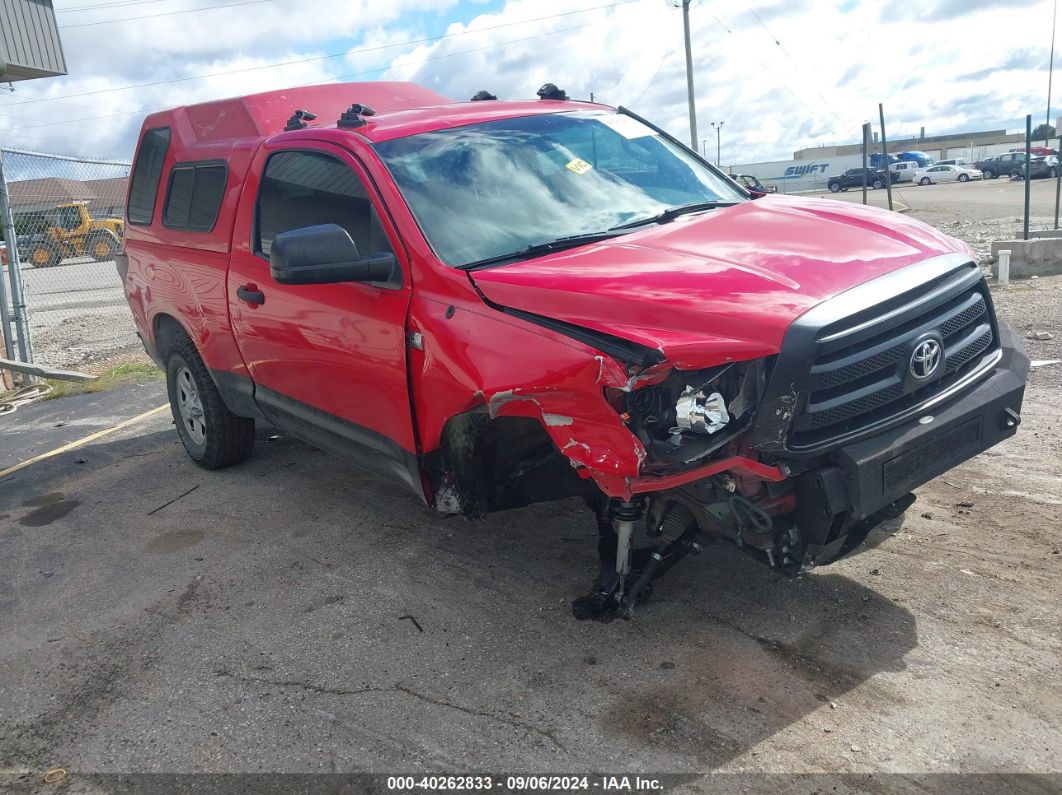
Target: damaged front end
x,y
793,456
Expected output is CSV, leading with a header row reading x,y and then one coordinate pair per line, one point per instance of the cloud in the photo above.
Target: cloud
x,y
781,75
949,9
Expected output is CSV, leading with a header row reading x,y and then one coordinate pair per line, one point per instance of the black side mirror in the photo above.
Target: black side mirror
x,y
326,254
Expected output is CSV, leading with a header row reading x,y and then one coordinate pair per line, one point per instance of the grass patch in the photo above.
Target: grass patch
x,y
136,373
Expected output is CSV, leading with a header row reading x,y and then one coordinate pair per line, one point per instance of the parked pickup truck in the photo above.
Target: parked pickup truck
x,y
497,303
1006,165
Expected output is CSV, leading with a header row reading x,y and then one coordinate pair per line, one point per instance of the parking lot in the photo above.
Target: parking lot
x,y
293,614
977,200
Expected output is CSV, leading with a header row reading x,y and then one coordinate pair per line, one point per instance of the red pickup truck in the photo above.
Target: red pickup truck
x,y
497,303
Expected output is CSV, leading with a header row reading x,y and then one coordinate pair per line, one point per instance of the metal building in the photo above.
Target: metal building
x,y
29,41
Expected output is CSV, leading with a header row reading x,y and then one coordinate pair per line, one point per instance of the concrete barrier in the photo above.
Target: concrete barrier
x,y
1035,257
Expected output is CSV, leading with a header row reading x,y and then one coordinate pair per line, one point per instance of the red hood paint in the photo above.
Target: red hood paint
x,y
721,286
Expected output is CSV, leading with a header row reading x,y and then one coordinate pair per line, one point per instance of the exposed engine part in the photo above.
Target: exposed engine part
x,y
699,413
625,515
693,413
749,518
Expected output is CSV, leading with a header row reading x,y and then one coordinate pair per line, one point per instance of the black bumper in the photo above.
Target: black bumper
x,y
869,481
880,470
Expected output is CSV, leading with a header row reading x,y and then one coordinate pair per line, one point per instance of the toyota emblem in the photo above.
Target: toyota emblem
x,y
925,359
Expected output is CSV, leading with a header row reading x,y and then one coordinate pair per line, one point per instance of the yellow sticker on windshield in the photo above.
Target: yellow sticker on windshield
x,y
579,166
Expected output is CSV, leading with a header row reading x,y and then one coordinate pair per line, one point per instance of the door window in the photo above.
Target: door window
x,y
304,188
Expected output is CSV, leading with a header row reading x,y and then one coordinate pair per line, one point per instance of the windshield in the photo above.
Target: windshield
x,y
486,190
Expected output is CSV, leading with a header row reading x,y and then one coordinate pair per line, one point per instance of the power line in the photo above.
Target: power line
x,y
338,77
667,54
785,52
65,9
164,14
326,57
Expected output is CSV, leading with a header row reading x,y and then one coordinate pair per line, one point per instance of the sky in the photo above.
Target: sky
x,y
779,76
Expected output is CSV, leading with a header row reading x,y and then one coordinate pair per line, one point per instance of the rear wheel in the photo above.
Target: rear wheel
x,y
989,174
834,187
924,181
964,177
43,255
212,435
102,247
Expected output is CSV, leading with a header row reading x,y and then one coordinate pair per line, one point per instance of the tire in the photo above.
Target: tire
x,y
988,174
964,177
101,246
212,435
878,184
1053,173
834,187
42,255
925,181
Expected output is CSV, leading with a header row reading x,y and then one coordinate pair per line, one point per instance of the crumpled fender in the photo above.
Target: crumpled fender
x,y
572,408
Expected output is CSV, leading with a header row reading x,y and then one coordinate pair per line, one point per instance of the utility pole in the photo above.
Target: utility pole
x,y
689,67
1050,74
718,140
885,153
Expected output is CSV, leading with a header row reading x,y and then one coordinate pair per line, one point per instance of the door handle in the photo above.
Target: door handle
x,y
251,294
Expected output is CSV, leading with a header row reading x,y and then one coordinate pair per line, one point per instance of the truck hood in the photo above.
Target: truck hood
x,y
720,286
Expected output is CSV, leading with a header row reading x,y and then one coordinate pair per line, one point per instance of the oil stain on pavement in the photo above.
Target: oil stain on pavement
x,y
47,509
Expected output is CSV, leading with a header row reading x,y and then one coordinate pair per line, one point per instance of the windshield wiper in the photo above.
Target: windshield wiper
x,y
671,213
538,249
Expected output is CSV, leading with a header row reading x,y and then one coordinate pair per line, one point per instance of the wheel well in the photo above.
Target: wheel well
x,y
167,333
484,465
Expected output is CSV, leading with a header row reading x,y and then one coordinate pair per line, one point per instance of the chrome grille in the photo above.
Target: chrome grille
x,y
859,376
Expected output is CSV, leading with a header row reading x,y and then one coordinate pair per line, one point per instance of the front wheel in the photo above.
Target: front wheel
x,y
924,181
878,184
212,435
989,174
43,255
834,187
964,177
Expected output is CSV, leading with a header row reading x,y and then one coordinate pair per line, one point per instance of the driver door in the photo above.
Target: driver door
x,y
327,361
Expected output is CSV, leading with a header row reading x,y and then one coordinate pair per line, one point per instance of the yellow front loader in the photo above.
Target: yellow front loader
x,y
71,232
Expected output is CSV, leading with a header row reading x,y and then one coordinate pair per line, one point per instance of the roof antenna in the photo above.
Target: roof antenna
x,y
352,116
479,96
298,120
550,91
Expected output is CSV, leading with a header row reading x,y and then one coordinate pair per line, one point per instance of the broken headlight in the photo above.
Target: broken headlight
x,y
700,413
692,412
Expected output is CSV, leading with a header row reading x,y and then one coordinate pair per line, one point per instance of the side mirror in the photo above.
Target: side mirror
x,y
756,194
326,254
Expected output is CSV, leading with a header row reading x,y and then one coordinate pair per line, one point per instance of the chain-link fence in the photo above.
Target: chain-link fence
x,y
67,216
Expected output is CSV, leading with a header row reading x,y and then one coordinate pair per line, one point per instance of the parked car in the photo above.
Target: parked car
x,y
903,171
749,182
498,303
939,173
853,178
1005,165
1041,167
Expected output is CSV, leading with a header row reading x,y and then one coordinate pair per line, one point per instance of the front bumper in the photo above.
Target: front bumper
x,y
879,470
869,481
